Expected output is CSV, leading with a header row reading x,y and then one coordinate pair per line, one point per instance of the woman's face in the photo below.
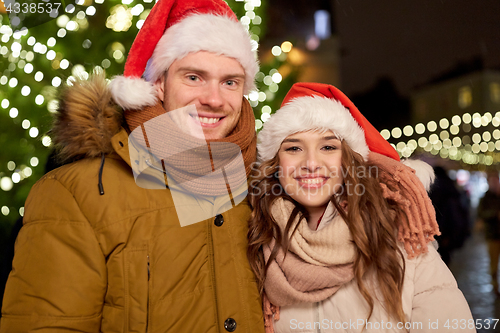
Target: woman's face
x,y
310,167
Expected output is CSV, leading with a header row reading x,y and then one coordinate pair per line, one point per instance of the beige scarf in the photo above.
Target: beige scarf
x,y
316,265
331,245
213,171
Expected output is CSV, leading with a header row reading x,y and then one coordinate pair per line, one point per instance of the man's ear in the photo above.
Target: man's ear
x,y
158,86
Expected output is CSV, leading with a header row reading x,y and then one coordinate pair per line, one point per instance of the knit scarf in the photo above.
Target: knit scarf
x,y
206,167
400,184
316,265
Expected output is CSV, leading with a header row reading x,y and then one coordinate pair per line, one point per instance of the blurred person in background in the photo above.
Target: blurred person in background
x,y
488,211
451,214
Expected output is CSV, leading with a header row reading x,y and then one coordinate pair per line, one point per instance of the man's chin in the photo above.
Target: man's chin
x,y
216,133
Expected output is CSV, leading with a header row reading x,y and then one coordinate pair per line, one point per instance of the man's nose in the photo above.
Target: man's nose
x,y
212,95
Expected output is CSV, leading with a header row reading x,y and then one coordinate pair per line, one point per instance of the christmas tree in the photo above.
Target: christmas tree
x,y
43,50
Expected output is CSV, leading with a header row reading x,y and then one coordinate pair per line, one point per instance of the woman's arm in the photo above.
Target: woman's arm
x,y
438,303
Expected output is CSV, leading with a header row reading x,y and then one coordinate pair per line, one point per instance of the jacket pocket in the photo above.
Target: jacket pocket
x,y
137,273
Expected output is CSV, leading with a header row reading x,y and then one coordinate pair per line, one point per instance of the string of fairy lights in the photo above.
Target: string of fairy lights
x,y
18,57
472,139
24,49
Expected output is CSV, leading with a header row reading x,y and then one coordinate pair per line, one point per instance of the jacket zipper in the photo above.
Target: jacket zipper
x,y
317,316
211,260
148,268
147,305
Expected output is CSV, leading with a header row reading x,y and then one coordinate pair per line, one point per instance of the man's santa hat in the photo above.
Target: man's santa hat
x,y
317,106
172,30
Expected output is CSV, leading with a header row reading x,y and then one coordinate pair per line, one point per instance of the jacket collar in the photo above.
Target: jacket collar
x,y
120,144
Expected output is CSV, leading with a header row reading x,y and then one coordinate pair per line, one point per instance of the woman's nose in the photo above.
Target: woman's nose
x,y
311,162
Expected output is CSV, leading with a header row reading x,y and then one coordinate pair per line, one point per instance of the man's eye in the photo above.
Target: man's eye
x,y
193,77
230,82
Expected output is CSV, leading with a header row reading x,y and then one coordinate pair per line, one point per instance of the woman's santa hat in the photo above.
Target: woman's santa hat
x,y
317,106
172,30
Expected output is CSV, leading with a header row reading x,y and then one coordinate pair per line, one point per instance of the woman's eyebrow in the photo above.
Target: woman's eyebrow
x,y
291,140
331,137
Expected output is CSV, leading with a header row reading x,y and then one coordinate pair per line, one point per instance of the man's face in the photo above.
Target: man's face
x,y
213,83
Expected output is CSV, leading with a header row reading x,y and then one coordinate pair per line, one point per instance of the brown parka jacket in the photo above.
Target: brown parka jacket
x,y
120,262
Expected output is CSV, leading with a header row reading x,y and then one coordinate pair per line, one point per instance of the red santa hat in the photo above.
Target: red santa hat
x,y
309,106
172,30
317,106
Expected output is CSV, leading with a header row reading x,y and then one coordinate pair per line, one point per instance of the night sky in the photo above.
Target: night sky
x,y
413,41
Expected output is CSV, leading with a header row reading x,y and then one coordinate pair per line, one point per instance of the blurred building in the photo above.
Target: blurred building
x,y
477,92
314,49
455,123
454,117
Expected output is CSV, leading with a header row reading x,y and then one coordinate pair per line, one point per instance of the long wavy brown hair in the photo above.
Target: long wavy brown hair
x,y
370,218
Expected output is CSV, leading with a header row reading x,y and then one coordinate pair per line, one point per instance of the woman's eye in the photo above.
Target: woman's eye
x,y
330,148
292,149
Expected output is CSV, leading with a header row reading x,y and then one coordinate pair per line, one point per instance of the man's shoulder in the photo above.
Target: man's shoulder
x,y
88,168
77,186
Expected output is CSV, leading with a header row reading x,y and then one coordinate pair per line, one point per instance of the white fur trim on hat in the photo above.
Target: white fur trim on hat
x,y
205,32
423,170
132,93
310,113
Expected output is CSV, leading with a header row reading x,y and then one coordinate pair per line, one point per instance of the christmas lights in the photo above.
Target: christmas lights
x,y
88,35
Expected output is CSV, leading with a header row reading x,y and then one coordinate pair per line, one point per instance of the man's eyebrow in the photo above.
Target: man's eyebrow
x,y
235,76
204,72
192,69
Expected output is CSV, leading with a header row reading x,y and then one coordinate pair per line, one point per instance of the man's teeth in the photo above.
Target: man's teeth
x,y
312,180
205,120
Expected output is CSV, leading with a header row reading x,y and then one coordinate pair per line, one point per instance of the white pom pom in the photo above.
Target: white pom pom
x,y
132,93
424,172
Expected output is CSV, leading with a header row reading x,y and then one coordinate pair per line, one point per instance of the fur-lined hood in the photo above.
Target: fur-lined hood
x,y
86,120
